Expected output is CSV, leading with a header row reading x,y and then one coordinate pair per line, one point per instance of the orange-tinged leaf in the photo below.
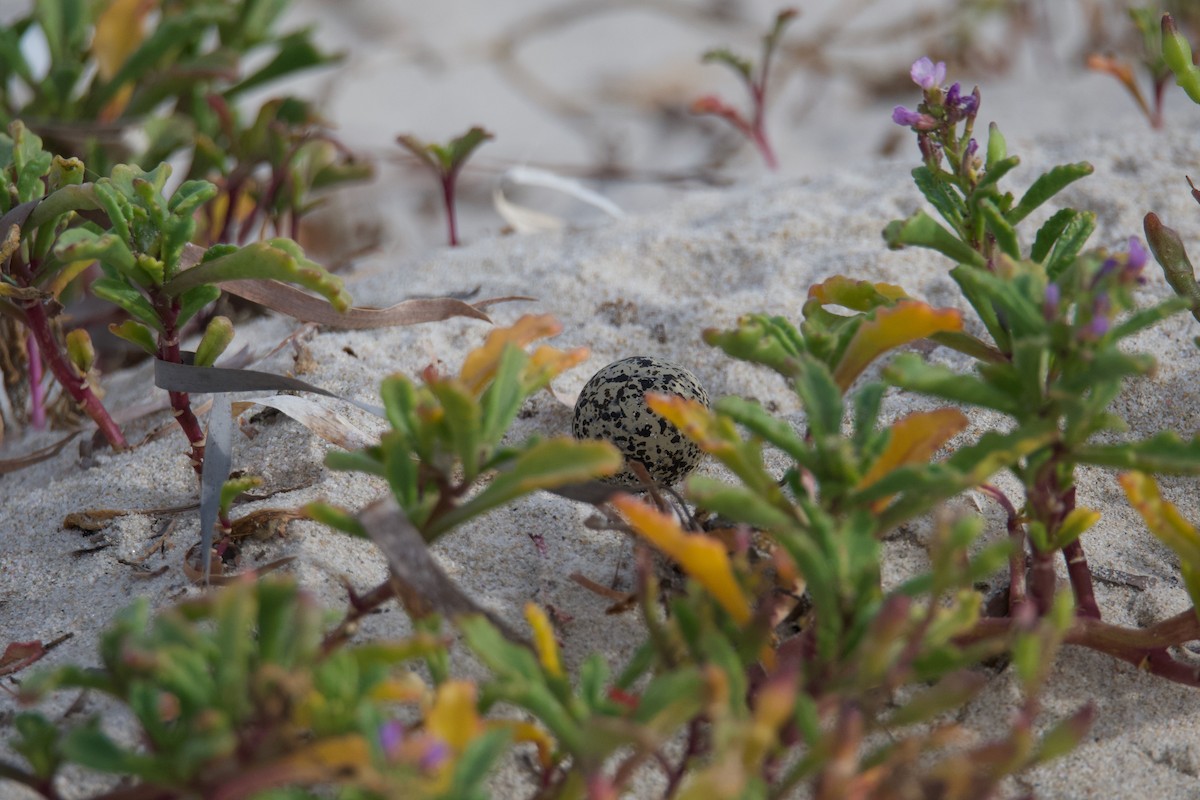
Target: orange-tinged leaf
x,y
481,363
905,322
712,434
120,29
704,559
543,640
548,362
406,688
453,717
327,760
857,295
915,438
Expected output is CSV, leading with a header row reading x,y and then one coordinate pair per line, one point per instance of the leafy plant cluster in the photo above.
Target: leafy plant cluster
x,y
138,82
779,661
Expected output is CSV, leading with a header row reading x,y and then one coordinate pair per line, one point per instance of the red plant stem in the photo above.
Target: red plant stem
x,y
1145,648
37,405
448,180
181,404
1081,580
758,129
1016,560
1042,581
65,373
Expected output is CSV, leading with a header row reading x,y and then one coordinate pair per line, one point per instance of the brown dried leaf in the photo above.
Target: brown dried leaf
x,y
19,655
36,457
265,523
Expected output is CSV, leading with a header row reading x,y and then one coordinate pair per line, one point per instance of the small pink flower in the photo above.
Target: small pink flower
x,y
913,119
926,74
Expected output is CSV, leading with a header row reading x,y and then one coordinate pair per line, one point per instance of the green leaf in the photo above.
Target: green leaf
x,y
1048,234
121,294
737,503
1065,736
992,175
195,300
90,747
38,741
738,64
759,339
1046,186
275,259
1164,454
1069,243
502,399
921,230
953,692
296,53
472,768
754,418
1177,53
939,195
998,226
217,337
545,465
190,196
462,424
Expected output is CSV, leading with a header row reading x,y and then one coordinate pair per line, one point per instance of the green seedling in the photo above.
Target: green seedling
x,y
1150,60
755,81
446,162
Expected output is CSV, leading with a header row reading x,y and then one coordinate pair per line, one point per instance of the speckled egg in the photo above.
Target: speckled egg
x,y
612,407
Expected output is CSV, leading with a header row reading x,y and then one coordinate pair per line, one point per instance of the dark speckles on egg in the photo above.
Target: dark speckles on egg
x,y
612,407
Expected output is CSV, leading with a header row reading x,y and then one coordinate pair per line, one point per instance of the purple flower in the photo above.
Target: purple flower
x,y
913,119
391,736
926,74
1100,321
1137,254
1050,303
972,147
959,107
435,754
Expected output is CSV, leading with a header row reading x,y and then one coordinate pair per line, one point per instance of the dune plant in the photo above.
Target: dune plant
x,y
110,66
754,78
1052,359
57,225
232,695
446,162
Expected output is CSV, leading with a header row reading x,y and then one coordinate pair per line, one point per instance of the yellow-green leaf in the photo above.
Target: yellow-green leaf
x,y
1165,522
905,322
856,295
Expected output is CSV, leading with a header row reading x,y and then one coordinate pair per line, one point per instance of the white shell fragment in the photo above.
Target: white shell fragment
x,y
612,407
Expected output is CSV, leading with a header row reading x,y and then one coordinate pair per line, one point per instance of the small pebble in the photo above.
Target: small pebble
x,y
612,407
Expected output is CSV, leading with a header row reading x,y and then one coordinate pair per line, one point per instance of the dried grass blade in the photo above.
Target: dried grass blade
x,y
317,417
419,581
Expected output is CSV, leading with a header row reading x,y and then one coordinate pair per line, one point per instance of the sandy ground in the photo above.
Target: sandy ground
x,y
645,284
